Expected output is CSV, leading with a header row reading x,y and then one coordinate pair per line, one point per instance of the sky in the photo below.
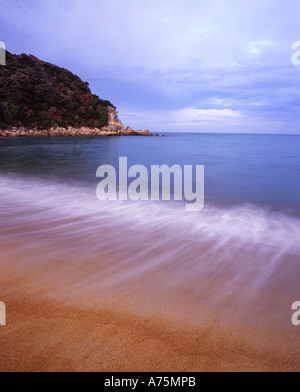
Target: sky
x,y
169,65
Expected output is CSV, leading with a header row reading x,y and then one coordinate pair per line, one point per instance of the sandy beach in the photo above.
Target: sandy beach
x,y
92,286
47,333
125,251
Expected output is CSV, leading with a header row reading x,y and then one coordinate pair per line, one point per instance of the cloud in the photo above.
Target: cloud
x,y
193,116
167,56
257,47
189,118
207,121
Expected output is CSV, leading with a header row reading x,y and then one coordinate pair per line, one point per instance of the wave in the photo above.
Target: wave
x,y
241,249
244,223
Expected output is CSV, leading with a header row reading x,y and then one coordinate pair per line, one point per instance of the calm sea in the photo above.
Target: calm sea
x,y
260,170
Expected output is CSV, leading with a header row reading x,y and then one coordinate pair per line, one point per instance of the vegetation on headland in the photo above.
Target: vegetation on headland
x,y
37,94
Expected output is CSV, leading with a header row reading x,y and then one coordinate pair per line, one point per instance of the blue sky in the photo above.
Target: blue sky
x,y
169,65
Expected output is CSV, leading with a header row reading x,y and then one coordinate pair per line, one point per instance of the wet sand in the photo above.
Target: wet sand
x,y
48,332
135,287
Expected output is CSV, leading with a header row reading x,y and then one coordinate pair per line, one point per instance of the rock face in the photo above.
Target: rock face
x,y
114,128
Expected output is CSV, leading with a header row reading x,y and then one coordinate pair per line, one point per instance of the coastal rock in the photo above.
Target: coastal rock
x,y
143,132
113,128
82,131
113,119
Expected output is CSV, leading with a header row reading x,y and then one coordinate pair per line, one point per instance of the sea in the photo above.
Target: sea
x,y
240,254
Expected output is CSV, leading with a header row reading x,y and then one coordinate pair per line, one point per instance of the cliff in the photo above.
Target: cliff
x,y
41,99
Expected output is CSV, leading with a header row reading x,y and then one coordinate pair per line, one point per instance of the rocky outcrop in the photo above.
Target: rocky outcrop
x,y
114,128
113,119
41,99
59,132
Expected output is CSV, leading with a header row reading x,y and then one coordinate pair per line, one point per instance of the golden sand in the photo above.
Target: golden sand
x,y
44,333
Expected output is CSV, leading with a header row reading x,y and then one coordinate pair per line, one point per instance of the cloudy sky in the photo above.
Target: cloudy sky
x,y
169,65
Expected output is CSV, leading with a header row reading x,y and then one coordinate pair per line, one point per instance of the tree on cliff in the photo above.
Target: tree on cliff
x,y
36,94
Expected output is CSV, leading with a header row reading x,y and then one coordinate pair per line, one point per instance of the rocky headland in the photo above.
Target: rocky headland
x,y
113,128
39,99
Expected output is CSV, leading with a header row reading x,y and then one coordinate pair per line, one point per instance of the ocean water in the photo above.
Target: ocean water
x,y
260,170
243,246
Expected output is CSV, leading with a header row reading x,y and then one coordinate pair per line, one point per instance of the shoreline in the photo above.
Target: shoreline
x,y
51,326
114,127
114,287
64,132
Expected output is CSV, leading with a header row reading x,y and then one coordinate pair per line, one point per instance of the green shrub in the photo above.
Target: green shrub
x,y
36,93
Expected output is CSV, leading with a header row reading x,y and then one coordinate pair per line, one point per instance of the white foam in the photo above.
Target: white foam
x,y
245,224
245,243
